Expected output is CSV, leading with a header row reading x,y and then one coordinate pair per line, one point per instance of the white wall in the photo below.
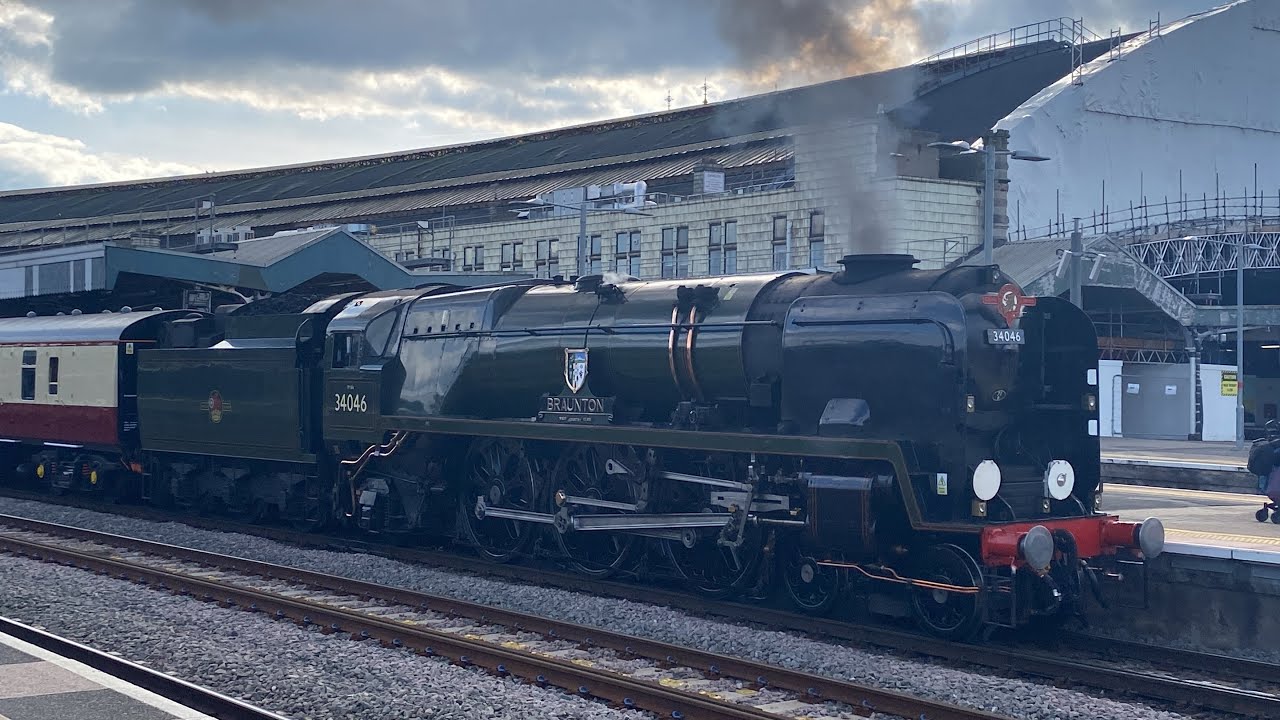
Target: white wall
x,y
1196,99
1109,404
1219,423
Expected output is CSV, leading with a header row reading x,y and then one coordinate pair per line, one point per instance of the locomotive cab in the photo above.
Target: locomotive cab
x,y
363,339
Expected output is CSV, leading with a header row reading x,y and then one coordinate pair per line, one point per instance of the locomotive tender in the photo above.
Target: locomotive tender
x,y
926,438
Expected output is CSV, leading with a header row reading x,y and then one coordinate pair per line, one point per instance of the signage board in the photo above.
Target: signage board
x,y
1230,384
201,300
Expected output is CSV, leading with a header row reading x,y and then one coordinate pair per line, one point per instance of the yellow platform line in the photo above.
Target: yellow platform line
x,y
1223,537
1121,489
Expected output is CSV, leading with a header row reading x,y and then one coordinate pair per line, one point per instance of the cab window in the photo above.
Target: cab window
x,y
377,333
344,350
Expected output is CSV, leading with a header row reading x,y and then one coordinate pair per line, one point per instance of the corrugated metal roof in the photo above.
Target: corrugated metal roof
x,y
264,251
1028,260
267,214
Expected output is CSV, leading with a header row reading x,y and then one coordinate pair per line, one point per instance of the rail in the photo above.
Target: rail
x,y
1061,29
1031,39
1051,666
336,615
940,252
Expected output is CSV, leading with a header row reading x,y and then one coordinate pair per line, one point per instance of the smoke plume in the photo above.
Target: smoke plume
x,y
787,43
782,43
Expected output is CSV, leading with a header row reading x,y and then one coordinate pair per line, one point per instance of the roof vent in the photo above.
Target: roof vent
x,y
75,311
126,309
31,313
859,268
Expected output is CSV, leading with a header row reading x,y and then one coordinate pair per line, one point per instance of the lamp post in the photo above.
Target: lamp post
x,y
583,208
1240,337
988,186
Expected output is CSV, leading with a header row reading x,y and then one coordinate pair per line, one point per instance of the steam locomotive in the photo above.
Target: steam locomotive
x,y
923,440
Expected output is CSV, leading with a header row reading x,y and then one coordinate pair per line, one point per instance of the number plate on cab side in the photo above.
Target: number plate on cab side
x,y
1006,336
351,407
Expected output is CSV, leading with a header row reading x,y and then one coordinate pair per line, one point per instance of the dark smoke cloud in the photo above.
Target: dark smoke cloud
x,y
793,42
786,43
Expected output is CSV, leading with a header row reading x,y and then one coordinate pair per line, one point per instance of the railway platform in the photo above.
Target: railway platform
x,y
1198,522
40,680
1186,464
1173,453
1218,581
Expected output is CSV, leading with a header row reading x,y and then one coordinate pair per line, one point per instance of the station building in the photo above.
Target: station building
x,y
1156,140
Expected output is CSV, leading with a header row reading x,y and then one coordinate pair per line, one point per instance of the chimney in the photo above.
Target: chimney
x,y
708,177
998,141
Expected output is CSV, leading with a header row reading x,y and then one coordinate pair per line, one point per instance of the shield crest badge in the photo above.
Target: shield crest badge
x,y
575,368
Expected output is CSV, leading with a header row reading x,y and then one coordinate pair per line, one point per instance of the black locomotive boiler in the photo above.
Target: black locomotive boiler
x,y
927,439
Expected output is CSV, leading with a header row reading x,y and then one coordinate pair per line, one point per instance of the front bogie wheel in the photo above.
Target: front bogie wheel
x,y
811,587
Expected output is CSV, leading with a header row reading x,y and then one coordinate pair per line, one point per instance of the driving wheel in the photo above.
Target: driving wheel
x,y
499,473
599,473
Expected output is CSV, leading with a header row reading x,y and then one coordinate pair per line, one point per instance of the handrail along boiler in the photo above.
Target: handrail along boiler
x,y
926,438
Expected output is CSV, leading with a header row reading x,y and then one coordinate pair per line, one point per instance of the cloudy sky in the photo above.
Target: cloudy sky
x,y
103,90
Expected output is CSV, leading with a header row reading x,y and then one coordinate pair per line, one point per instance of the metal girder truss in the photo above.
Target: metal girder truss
x,y
1144,355
1201,254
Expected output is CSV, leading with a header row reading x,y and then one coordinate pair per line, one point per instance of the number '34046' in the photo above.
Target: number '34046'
x,y
350,402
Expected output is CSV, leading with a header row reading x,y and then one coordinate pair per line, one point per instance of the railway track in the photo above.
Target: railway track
x,y
1182,678
668,680
187,694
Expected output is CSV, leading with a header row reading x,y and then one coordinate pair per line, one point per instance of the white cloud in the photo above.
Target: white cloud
x,y
26,46
32,159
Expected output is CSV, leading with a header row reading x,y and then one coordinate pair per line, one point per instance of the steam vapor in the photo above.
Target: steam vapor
x,y
794,42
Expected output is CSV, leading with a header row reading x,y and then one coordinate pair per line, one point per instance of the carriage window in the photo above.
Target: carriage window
x,y
28,374
53,376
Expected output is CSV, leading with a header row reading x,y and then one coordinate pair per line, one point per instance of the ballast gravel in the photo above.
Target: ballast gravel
x,y
1012,697
279,666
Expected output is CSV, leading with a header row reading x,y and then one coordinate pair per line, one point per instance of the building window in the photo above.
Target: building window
x,y
546,264
722,254
512,256
675,252
53,376
473,257
589,256
780,243
627,253
817,239
28,374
